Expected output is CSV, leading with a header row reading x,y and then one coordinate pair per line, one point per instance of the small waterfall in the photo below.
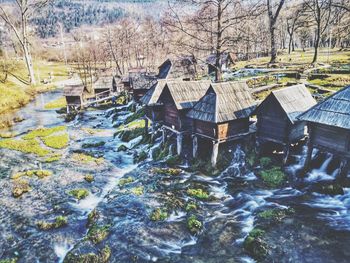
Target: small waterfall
x,y
320,174
61,250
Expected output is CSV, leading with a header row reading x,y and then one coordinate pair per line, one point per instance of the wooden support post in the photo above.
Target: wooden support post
x,y
163,136
146,126
68,109
309,151
194,146
179,143
214,155
343,170
286,150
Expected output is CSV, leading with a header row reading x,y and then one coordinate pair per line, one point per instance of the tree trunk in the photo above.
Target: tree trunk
x,y
29,64
273,43
218,46
317,43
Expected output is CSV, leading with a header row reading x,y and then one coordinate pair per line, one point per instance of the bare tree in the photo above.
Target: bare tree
x,y
273,16
293,23
19,26
320,11
213,26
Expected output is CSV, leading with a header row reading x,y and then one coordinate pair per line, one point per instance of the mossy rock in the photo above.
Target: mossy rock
x,y
93,217
125,181
93,145
53,158
20,187
30,173
329,189
273,177
137,190
89,178
97,234
173,160
193,224
79,193
198,193
275,215
191,206
102,257
122,148
167,171
255,246
60,221
159,215
140,157
9,260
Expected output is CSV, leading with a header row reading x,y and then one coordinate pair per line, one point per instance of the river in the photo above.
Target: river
x,y
318,230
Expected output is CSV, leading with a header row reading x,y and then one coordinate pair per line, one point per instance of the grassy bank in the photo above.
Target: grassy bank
x,y
15,93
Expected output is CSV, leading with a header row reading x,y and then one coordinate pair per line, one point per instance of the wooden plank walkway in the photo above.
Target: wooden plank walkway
x,y
102,99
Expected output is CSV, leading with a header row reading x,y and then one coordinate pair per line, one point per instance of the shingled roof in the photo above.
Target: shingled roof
x,y
104,82
73,90
334,111
187,93
224,102
142,81
180,68
152,95
294,100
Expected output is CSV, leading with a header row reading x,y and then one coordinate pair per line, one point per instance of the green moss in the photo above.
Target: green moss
x,y
89,178
25,146
122,148
254,245
275,214
60,221
167,171
55,104
79,193
191,206
159,215
198,193
193,224
161,152
136,116
125,181
93,145
39,173
86,159
92,217
56,141
103,257
53,158
173,160
141,157
9,260
97,234
251,158
43,132
20,187
128,135
137,190
265,162
273,177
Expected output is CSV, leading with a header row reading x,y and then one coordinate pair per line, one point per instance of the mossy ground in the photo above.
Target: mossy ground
x,y
79,193
86,159
167,171
56,104
60,221
159,214
97,234
39,173
102,257
198,194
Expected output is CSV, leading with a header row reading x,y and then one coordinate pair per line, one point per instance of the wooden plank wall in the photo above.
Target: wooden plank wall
x,y
330,137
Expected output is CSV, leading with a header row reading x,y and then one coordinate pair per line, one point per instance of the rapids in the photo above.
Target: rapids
x,y
320,222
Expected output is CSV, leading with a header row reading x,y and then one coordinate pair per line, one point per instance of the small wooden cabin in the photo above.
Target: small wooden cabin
x,y
154,110
140,84
180,68
329,127
226,61
75,95
104,86
277,115
222,114
177,98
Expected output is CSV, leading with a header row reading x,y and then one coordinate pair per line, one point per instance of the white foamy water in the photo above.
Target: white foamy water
x,y
61,250
176,216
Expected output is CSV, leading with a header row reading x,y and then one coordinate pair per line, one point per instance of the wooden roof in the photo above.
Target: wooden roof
x,y
104,82
180,68
224,102
225,58
187,93
73,90
334,111
142,81
294,100
151,97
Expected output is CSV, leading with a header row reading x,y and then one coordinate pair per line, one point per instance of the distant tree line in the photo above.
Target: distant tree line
x,y
72,15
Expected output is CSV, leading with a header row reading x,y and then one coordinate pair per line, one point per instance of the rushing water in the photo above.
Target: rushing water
x,y
321,222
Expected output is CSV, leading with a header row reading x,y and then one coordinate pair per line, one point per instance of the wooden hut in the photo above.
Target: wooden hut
x,y
226,62
154,110
329,127
104,86
75,96
277,116
177,98
140,84
180,68
221,115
